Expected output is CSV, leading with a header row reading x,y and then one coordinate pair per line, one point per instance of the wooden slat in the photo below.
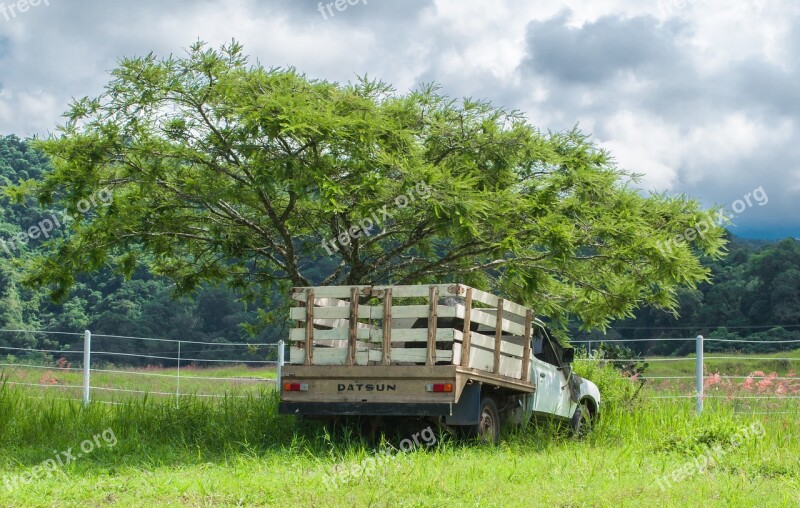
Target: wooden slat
x,y
387,327
508,346
299,334
433,303
415,291
498,336
516,309
419,355
483,317
301,294
364,312
482,359
338,356
416,335
376,335
373,372
510,367
467,323
526,352
491,300
484,297
309,333
368,312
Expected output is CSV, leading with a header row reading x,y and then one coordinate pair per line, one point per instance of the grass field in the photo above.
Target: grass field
x,y
239,452
113,384
733,364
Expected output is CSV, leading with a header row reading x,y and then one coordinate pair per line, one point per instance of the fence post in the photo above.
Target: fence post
x,y
281,359
87,356
178,389
699,374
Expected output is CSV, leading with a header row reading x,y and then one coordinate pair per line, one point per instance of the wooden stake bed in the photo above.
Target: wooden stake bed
x,y
390,344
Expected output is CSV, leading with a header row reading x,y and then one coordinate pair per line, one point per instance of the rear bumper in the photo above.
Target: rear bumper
x,y
365,409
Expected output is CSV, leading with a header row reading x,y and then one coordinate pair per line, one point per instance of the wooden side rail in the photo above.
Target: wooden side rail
x,y
334,327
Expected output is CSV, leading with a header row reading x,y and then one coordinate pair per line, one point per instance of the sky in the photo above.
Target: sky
x,y
700,97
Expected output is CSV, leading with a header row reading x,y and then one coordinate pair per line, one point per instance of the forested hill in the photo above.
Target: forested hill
x,y
103,302
755,295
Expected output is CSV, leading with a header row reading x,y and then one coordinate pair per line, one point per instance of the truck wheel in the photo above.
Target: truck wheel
x,y
489,426
581,421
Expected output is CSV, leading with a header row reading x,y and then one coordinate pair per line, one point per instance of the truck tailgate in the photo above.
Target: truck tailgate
x,y
329,389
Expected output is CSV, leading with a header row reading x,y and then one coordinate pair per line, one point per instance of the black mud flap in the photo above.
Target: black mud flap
x,y
467,410
575,382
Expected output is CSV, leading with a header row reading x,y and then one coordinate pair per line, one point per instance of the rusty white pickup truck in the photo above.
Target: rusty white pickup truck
x,y
446,352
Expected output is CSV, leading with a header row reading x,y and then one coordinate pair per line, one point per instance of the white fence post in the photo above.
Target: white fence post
x,y
699,374
178,389
87,356
281,359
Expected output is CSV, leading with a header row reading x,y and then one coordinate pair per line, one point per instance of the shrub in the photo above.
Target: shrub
x,y
617,388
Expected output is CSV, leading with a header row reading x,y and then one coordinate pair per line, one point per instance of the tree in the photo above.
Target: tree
x,y
12,318
226,172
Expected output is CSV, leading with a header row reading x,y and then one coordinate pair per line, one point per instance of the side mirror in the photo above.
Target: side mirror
x,y
568,356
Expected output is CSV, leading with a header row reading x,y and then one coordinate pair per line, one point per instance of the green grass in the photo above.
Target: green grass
x,y
234,380
742,365
239,452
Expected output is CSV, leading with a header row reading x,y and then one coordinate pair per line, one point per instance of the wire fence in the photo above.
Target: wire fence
x,y
106,368
751,384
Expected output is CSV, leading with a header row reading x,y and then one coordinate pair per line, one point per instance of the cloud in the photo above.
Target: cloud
x,y
600,50
698,95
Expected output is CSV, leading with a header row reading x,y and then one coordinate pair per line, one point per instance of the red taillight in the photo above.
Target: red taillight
x,y
440,387
295,387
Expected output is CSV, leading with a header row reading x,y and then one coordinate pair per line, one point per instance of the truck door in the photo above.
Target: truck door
x,y
565,404
552,396
547,398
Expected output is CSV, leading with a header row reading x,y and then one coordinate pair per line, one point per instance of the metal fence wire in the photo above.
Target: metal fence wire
x,y
190,368
702,379
184,355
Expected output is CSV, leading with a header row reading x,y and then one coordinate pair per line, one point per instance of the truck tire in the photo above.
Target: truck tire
x,y
488,428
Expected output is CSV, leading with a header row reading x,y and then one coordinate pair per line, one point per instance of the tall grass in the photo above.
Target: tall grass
x,y
32,428
239,451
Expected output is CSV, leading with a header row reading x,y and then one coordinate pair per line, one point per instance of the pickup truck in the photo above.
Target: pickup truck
x,y
445,352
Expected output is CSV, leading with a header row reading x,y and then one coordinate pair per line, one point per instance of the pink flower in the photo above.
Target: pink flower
x,y
766,383
712,380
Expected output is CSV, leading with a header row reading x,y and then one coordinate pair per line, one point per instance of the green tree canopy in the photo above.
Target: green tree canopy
x,y
226,172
